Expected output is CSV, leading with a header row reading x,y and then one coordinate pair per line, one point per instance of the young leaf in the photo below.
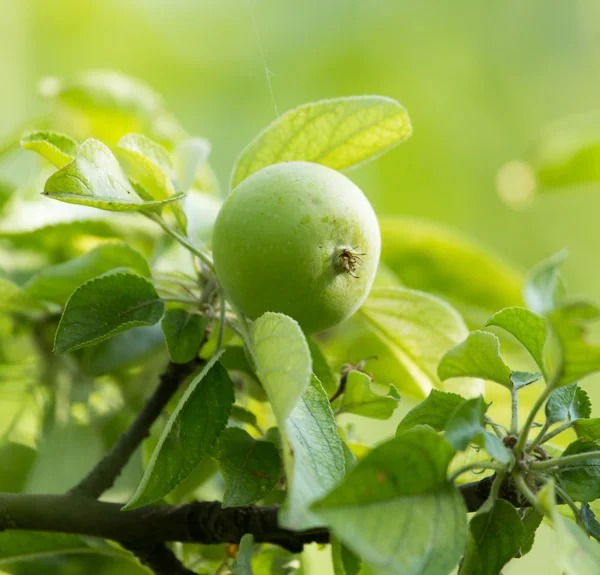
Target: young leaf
x,y
184,333
338,133
191,432
568,403
56,283
283,361
94,178
419,326
59,149
243,562
321,368
545,288
360,399
313,455
188,157
425,526
496,536
434,258
251,467
577,555
105,306
13,298
524,378
477,356
434,411
527,327
588,429
589,520
581,480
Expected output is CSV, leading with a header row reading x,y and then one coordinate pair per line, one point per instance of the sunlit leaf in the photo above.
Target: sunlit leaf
x,y
477,356
568,404
104,306
56,283
545,288
344,561
360,399
321,368
191,432
251,467
243,562
189,155
434,411
338,133
425,526
57,148
13,298
587,429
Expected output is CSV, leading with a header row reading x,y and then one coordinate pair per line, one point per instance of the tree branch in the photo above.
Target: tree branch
x,y
104,474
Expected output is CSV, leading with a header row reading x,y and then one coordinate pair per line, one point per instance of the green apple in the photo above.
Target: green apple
x,y
300,239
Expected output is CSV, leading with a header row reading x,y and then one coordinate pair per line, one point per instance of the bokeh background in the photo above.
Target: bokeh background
x,y
480,80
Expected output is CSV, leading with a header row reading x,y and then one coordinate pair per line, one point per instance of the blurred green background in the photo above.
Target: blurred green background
x,y
480,81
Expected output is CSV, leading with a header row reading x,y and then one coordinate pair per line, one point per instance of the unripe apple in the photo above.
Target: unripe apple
x,y
300,239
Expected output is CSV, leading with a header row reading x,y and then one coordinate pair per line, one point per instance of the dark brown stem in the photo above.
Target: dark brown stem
x,y
104,474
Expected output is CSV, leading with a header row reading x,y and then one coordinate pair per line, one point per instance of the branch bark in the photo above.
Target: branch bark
x,y
103,476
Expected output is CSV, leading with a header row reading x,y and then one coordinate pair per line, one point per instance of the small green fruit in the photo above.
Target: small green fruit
x,y
299,239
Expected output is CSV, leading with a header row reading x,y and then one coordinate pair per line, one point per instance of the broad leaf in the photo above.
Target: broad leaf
x,y
321,368
496,536
527,327
545,288
243,415
338,133
59,149
283,361
588,429
568,403
95,178
189,155
105,306
434,411
243,562
191,432
577,555
360,399
184,333
251,467
581,480
429,256
477,356
398,522
313,454
531,521
589,520
419,327
56,283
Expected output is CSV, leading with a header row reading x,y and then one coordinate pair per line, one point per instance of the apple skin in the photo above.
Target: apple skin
x,y
300,239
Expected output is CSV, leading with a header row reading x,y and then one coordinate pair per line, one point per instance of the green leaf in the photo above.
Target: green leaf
x,y
527,327
13,298
589,520
434,411
243,562
577,555
313,456
545,288
568,403
123,350
283,361
189,155
495,538
59,149
321,368
242,415
418,326
16,461
429,256
524,378
581,480
398,522
27,545
344,561
94,178
251,467
338,133
105,306
184,333
191,432
531,521
360,399
477,356
56,283
587,429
